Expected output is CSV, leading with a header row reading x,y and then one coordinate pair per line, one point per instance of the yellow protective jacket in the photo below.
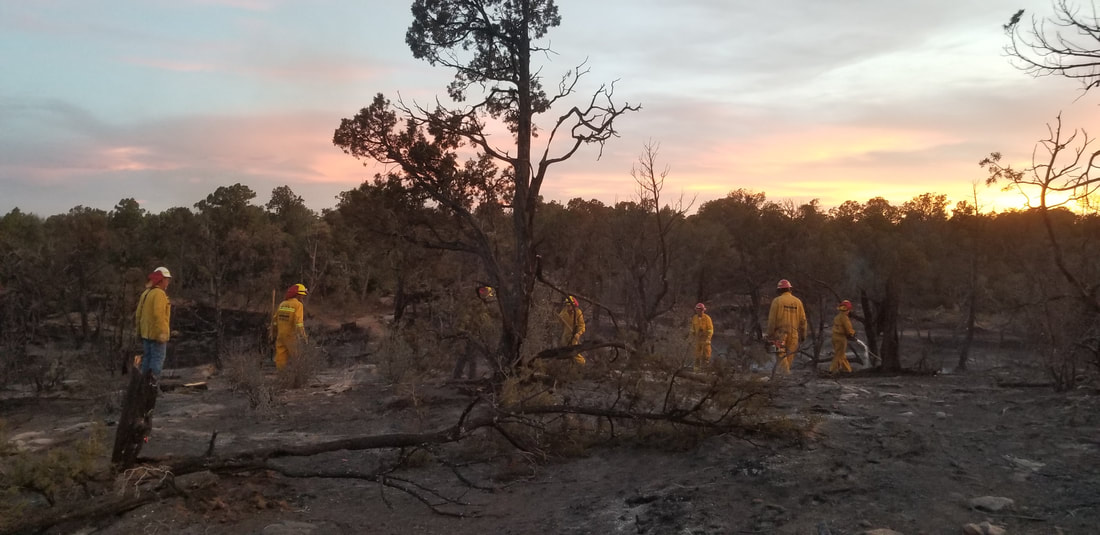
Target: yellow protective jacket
x,y
702,328
573,324
842,325
475,320
153,315
786,315
289,319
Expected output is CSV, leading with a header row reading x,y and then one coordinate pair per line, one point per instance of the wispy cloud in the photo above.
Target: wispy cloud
x,y
170,65
840,100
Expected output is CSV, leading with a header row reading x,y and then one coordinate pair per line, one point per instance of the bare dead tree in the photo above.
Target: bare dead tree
x,y
1065,43
1064,170
649,263
973,218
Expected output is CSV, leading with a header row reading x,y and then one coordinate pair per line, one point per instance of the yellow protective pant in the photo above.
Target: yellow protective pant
x,y
567,339
702,354
785,355
840,355
286,347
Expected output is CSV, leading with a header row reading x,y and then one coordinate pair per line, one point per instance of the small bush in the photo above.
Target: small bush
x,y
524,386
410,396
404,353
47,373
243,370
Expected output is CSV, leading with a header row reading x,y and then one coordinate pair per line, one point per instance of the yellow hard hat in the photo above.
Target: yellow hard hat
x,y
295,290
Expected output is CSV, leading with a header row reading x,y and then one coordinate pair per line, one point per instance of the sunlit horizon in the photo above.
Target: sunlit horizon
x,y
251,92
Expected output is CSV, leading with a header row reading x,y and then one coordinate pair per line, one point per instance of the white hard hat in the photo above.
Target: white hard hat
x,y
164,271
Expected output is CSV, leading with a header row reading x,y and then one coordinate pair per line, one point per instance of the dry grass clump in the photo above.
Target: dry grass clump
x,y
405,352
301,368
243,369
801,430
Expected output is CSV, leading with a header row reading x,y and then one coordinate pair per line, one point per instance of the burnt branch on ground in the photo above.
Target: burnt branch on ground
x,y
712,405
567,352
420,492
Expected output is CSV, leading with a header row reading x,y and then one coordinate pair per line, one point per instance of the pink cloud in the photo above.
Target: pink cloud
x,y
334,167
127,159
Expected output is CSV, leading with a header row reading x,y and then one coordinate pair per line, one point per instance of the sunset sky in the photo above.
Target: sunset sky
x,y
165,100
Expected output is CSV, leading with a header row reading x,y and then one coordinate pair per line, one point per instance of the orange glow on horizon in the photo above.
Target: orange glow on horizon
x,y
127,159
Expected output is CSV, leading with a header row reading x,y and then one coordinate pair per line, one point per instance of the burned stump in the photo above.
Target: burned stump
x,y
136,420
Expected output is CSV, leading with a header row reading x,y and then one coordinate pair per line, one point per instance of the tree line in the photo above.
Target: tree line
x,y
75,275
457,208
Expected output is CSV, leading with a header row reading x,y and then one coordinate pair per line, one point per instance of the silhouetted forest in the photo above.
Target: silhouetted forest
x,y
455,212
72,278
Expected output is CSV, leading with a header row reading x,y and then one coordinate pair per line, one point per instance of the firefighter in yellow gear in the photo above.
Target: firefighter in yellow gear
x,y
702,330
786,325
475,323
288,325
572,320
152,319
842,332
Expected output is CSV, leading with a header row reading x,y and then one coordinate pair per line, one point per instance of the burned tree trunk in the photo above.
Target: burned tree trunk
x,y
891,360
136,420
971,314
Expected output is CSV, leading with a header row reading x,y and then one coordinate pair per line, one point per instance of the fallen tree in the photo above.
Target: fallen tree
x,y
705,407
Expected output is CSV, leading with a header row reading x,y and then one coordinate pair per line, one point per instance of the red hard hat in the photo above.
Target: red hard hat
x,y
783,284
845,304
700,306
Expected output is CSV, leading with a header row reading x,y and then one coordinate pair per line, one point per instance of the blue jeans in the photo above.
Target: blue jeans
x,y
152,357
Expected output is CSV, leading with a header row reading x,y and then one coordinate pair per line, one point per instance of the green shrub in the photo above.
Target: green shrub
x,y
54,474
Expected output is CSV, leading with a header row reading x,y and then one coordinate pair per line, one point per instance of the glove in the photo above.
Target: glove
x,y
851,337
